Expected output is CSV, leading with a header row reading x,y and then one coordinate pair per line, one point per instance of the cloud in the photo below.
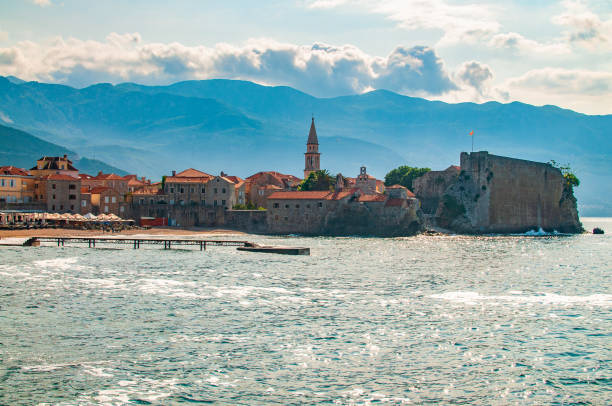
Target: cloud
x,y
581,90
42,3
5,118
3,35
516,42
585,28
319,69
458,22
475,74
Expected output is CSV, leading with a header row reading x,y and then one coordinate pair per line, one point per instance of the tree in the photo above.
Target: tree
x,y
569,177
404,175
318,180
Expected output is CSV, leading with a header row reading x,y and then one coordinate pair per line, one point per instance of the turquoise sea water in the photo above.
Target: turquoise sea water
x,y
448,319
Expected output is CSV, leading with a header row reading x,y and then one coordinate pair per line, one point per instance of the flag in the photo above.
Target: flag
x,y
471,132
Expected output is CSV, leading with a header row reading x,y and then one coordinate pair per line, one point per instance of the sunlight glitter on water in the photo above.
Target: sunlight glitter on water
x,y
479,320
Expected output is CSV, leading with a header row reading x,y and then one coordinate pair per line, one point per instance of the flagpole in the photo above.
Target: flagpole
x,y
472,142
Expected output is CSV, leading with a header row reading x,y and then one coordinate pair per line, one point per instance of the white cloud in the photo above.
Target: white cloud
x,y
518,43
458,22
584,27
42,3
581,90
319,69
5,118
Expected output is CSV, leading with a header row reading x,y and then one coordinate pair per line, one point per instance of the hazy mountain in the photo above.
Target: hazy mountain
x,y
241,127
18,148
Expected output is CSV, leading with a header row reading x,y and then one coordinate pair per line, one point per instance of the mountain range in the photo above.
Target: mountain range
x,y
241,127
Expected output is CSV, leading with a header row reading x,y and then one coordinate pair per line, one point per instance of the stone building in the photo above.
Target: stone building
x,y
495,194
262,184
102,199
430,187
61,193
312,157
54,165
16,186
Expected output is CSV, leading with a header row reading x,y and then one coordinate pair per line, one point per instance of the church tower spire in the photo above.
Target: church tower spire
x,y
312,156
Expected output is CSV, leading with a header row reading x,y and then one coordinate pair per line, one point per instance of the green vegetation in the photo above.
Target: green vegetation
x,y
452,208
570,178
319,180
404,175
248,206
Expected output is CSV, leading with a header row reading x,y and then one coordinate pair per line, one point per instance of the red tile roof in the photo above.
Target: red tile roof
x,y
99,189
454,167
14,171
409,193
85,176
396,186
108,176
56,176
378,197
192,173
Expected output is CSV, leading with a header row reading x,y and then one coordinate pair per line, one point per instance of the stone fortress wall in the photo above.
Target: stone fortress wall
x,y
495,194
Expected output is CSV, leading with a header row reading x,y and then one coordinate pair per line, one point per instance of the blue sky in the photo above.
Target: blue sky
x,y
539,52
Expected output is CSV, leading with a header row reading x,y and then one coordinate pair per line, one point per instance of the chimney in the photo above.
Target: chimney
x,y
99,173
173,173
65,156
222,173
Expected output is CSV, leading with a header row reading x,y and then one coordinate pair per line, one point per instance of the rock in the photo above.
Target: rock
x,y
598,230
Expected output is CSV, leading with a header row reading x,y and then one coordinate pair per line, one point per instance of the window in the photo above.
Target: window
x,y
12,182
276,205
286,206
114,199
2,182
171,190
72,197
260,192
72,207
141,201
105,209
203,202
151,201
171,201
72,186
286,218
297,206
121,209
215,203
53,207
36,186
83,203
308,206
61,207
216,189
192,190
203,190
223,190
53,186
320,204
182,190
223,202
105,199
53,197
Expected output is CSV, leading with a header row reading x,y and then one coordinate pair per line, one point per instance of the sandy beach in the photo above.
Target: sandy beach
x,y
67,232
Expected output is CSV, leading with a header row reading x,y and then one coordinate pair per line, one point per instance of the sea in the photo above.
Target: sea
x,y
487,320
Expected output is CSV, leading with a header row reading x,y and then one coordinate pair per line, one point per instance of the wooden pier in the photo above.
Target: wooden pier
x,y
167,243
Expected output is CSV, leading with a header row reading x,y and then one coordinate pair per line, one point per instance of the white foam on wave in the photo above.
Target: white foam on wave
x,y
537,298
168,287
60,264
539,233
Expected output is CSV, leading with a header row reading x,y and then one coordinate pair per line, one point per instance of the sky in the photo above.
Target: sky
x,y
534,51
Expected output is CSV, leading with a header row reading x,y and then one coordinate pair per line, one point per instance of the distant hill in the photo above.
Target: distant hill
x,y
241,127
18,148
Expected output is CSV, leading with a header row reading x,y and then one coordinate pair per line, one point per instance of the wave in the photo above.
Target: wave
x,y
515,297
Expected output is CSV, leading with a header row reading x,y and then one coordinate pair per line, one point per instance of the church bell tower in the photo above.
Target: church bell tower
x,y
312,156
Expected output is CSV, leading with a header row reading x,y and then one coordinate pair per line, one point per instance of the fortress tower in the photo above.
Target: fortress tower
x,y
312,156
